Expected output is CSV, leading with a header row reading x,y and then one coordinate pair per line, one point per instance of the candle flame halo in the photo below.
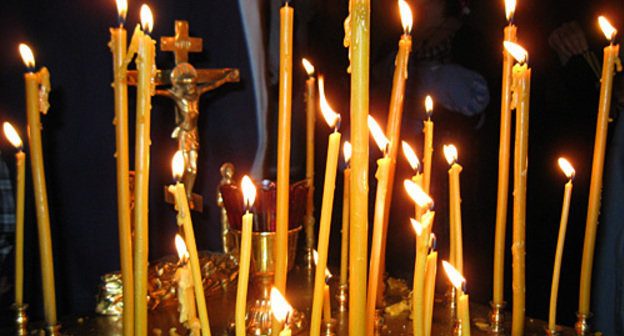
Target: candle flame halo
x,y
428,105
249,191
177,165
27,55
280,307
330,116
147,19
309,68
417,194
347,151
11,135
567,168
411,156
407,18
607,28
454,276
181,247
122,9
519,53
450,152
510,8
418,227
378,134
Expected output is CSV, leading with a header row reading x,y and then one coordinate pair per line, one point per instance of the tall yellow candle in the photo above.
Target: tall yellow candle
x,y
359,45
145,71
463,312
344,245
20,164
428,150
184,219
310,100
565,210
503,160
430,276
34,105
382,176
333,149
249,194
610,64
450,152
185,291
521,89
117,45
326,302
283,146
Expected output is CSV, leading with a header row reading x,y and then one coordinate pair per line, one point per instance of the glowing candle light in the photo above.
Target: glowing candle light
x,y
185,291
281,310
333,149
568,170
428,150
310,100
458,281
611,64
37,82
412,158
344,247
249,195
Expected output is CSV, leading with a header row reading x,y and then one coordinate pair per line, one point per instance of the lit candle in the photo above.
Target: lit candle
x,y
184,219
283,146
610,64
382,176
457,258
428,150
145,71
565,210
117,45
20,158
281,310
430,276
333,149
415,164
458,281
503,160
249,194
185,291
359,47
344,247
310,100
326,297
521,89
35,84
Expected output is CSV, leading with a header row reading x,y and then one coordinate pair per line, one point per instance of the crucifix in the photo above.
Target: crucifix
x,y
187,84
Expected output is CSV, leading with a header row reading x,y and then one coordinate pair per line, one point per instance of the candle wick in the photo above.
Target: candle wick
x,y
464,287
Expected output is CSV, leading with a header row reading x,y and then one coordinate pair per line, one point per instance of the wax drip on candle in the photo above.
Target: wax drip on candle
x,y
12,136
27,57
122,11
147,19
411,156
510,10
332,118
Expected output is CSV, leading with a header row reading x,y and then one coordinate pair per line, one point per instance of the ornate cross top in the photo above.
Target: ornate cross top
x,y
181,44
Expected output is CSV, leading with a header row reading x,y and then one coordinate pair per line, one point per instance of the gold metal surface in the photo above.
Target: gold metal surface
x,y
497,317
21,319
582,325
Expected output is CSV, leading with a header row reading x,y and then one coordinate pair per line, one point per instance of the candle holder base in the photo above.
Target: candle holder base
x,y
53,330
451,303
259,320
343,297
21,319
457,328
379,321
552,332
329,327
582,325
497,317
308,259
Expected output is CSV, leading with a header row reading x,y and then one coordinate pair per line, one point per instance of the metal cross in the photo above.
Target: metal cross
x,y
181,44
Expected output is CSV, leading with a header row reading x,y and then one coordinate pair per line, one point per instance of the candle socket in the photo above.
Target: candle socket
x,y
329,327
21,319
451,302
308,259
582,325
457,327
555,332
379,321
343,297
497,317
53,330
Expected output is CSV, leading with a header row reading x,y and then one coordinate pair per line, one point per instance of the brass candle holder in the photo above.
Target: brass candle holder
x,y
457,327
582,325
451,302
21,319
497,317
329,327
551,332
342,297
53,330
379,321
308,259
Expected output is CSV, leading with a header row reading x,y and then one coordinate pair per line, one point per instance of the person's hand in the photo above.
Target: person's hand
x,y
568,40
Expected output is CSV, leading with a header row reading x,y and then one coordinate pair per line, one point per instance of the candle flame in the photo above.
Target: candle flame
x,y
454,276
328,274
567,168
309,68
122,8
11,135
607,28
280,307
249,191
27,55
347,151
181,247
330,116
418,227
417,194
377,134
450,152
432,241
406,16
177,165
147,19
510,8
410,155
519,53
428,105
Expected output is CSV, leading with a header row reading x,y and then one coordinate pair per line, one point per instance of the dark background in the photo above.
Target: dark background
x,y
70,38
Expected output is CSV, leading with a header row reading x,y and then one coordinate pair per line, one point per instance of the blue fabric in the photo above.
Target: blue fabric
x,y
7,212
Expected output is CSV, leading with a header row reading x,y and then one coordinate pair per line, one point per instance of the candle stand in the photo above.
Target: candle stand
x,y
342,297
53,330
329,327
582,324
497,317
550,332
21,319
